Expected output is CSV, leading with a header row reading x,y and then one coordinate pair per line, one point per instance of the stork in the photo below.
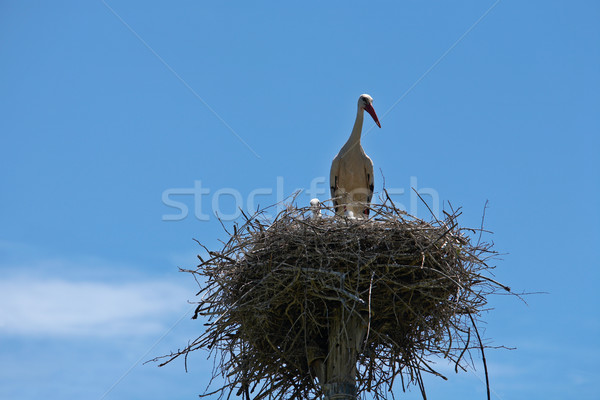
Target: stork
x,y
315,208
351,177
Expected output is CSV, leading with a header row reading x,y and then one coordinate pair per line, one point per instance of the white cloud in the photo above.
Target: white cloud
x,y
58,307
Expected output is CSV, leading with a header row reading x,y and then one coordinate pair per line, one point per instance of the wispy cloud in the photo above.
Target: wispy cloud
x,y
54,295
62,307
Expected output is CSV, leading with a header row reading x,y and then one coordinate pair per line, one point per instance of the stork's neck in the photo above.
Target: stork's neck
x,y
354,139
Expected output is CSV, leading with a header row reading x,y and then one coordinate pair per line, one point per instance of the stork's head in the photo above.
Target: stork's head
x,y
365,102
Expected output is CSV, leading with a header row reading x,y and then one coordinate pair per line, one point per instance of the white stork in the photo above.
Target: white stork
x,y
351,177
315,208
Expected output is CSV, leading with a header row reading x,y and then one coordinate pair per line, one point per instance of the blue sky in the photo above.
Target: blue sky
x,y
126,125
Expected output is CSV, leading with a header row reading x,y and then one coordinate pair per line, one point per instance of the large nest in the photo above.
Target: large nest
x,y
271,291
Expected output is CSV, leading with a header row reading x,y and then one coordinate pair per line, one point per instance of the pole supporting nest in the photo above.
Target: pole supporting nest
x,y
346,335
339,391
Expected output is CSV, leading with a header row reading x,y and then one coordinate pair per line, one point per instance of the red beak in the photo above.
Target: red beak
x,y
369,108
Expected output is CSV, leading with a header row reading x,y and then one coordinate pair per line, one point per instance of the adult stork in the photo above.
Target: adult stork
x,y
351,177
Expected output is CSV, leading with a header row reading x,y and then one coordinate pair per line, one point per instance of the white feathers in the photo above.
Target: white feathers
x,y
315,207
351,175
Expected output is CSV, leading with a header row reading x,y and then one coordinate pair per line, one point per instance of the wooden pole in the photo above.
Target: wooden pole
x,y
346,334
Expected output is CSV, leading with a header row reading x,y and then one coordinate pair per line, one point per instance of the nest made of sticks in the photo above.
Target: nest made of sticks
x,y
271,291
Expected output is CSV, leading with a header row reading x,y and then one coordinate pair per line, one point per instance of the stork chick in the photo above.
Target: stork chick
x,y
315,207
